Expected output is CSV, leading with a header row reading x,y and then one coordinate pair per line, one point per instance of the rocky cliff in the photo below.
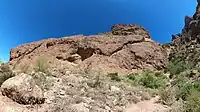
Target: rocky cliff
x,y
126,48
186,45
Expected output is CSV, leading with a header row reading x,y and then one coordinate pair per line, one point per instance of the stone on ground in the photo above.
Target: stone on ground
x,y
23,90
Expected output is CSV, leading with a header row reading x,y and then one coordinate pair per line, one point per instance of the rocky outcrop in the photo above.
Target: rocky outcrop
x,y
129,29
125,48
186,45
23,90
191,32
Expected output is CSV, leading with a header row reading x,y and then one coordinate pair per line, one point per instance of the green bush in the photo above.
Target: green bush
x,y
41,65
149,79
133,77
176,67
187,90
184,90
193,101
180,80
5,73
114,76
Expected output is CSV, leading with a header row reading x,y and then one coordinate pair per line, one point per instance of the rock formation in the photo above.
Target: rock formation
x,y
186,45
126,48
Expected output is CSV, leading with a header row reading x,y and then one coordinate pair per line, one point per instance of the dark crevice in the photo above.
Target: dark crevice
x,y
99,51
60,58
125,44
71,59
85,52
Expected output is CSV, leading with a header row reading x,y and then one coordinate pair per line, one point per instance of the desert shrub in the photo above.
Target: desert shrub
x,y
193,59
153,82
133,76
41,65
178,106
193,101
168,96
188,92
175,67
185,89
149,79
5,73
94,83
114,76
180,80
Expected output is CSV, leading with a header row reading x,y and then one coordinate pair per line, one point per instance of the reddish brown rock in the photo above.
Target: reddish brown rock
x,y
127,48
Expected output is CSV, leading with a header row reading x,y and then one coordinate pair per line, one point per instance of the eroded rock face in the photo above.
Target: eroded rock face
x,y
125,49
23,90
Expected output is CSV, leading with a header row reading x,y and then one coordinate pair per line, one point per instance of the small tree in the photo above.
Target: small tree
x,y
1,61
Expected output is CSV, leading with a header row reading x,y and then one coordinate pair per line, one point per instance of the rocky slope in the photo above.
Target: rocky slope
x,y
73,92
125,49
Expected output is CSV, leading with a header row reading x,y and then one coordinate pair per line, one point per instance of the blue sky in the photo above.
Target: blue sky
x,y
23,21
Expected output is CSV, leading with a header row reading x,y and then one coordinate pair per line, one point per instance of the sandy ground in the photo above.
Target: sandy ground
x,y
147,106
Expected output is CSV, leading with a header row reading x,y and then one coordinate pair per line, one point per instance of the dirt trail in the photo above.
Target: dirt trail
x,y
148,106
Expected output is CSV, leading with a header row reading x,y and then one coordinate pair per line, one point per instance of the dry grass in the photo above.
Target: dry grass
x,y
41,65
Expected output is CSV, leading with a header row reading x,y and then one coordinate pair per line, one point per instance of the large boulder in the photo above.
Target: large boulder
x,y
126,48
23,90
